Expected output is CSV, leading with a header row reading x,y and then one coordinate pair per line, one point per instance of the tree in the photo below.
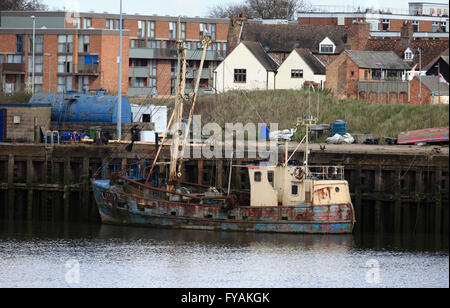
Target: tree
x,y
22,5
265,9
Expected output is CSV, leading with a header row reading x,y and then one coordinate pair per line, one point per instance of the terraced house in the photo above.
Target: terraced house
x,y
79,51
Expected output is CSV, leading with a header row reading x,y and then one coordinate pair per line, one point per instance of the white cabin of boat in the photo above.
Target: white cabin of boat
x,y
281,185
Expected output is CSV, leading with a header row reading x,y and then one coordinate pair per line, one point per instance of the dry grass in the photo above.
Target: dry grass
x,y
285,106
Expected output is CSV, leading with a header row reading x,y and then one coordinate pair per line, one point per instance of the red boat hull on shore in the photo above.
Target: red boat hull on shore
x,y
429,135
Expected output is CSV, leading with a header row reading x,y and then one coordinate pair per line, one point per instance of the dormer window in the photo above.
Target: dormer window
x,y
327,46
409,56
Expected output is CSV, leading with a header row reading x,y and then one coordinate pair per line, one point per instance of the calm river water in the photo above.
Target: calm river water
x,y
65,256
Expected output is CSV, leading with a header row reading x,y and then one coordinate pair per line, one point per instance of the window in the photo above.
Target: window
x,y
257,176
212,31
76,22
270,178
83,43
39,44
202,30
110,24
146,118
183,31
294,190
16,59
240,75
152,68
2,59
87,23
443,26
153,44
386,24
38,81
20,43
118,24
65,43
409,55
435,26
326,48
296,73
366,74
139,82
64,64
83,83
415,25
172,30
64,84
141,28
38,68
151,29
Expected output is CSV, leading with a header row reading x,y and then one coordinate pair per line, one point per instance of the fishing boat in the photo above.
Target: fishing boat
x,y
286,197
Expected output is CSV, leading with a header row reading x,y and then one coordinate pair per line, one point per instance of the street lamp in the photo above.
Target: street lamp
x,y
381,76
34,38
49,55
119,107
420,74
439,81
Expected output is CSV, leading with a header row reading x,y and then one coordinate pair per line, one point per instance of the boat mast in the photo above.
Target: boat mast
x,y
206,42
179,103
175,111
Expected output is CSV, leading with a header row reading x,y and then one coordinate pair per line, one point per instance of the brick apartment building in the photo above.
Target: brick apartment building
x,y
83,51
429,20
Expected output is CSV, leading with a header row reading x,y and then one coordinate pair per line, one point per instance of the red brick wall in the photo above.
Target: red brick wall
x,y
162,29
50,46
163,77
328,21
109,68
8,43
414,90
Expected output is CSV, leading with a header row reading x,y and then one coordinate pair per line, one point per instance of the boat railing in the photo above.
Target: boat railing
x,y
326,172
150,192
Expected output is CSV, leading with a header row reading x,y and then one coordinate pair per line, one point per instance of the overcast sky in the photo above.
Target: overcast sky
x,y
194,8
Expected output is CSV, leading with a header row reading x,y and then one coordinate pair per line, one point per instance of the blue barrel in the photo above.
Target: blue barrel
x,y
339,127
264,132
84,108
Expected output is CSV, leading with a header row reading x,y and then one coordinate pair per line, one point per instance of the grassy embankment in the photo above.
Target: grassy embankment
x,y
284,106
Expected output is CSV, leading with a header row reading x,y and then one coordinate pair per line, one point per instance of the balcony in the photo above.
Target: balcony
x,y
86,69
142,92
12,68
192,73
139,71
171,53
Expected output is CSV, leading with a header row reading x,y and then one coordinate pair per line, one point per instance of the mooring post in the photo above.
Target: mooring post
x,y
11,188
85,190
417,223
30,177
358,199
438,206
200,165
378,204
67,181
398,201
219,173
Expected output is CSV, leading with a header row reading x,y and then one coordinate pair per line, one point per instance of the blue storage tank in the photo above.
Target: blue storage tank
x,y
84,108
339,127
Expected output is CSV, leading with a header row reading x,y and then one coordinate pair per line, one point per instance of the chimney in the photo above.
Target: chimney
x,y
406,31
358,35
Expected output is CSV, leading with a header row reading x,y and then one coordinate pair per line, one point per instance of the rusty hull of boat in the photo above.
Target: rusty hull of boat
x,y
127,209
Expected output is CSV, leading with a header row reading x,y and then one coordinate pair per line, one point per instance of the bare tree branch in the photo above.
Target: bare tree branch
x,y
265,9
22,5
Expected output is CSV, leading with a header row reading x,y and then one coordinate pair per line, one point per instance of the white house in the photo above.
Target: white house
x,y
300,66
247,67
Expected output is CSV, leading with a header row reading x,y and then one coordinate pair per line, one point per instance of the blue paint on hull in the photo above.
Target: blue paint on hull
x,y
128,213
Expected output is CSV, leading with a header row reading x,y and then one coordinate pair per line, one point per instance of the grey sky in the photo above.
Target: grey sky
x,y
193,8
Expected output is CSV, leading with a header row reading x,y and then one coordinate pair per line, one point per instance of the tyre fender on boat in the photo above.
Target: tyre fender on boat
x,y
299,173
